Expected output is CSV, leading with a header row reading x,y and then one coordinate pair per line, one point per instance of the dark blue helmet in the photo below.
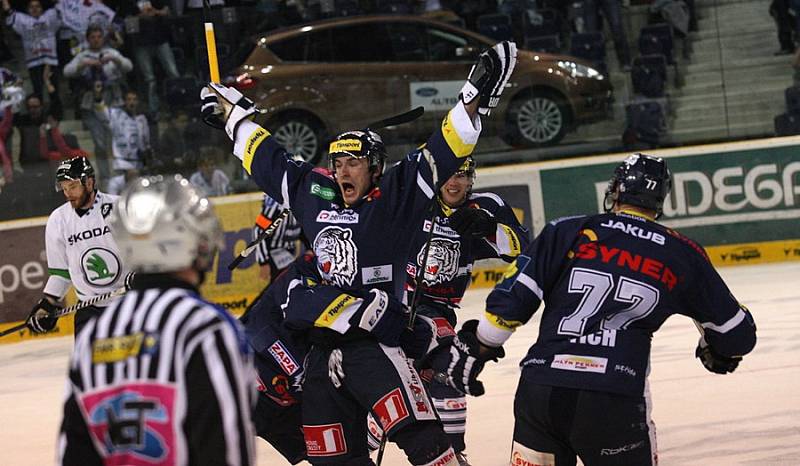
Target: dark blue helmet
x,y
640,180
359,144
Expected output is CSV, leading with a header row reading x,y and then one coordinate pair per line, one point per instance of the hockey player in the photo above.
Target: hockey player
x,y
274,254
80,248
468,227
359,221
163,377
609,282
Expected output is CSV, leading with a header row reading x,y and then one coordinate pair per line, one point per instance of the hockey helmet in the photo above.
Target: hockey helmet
x,y
640,180
359,144
163,224
468,167
76,168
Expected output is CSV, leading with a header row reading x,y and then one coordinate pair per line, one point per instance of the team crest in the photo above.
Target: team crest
x,y
133,425
105,209
442,263
100,266
337,260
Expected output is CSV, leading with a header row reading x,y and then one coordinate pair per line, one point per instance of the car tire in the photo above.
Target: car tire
x,y
536,119
300,134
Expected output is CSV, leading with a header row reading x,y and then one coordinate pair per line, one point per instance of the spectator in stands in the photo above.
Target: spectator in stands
x,y
175,142
76,17
101,70
611,10
209,180
785,22
5,157
152,40
130,134
38,32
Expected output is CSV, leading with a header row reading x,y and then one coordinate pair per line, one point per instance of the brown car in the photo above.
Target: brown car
x,y
320,79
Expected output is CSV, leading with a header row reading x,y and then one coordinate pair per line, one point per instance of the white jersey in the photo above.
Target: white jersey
x,y
81,251
77,15
38,36
130,136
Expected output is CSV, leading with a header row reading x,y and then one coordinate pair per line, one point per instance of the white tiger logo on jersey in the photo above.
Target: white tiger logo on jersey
x,y
336,255
442,263
100,266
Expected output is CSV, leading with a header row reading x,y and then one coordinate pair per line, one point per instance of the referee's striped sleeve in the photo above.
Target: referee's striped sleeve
x,y
219,401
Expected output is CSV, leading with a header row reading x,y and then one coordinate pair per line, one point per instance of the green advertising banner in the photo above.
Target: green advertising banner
x,y
718,197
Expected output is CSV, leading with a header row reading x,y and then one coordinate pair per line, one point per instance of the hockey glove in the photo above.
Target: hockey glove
x,y
473,222
713,361
427,335
459,364
383,316
488,77
42,318
225,107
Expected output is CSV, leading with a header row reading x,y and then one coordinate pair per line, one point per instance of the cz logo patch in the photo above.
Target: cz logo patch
x,y
390,409
325,440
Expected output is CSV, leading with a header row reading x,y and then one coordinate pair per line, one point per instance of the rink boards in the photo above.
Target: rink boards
x,y
740,200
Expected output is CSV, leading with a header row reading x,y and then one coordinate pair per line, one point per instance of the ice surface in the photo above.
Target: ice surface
x,y
749,417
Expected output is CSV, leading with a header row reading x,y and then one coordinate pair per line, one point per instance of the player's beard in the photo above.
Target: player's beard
x,y
81,201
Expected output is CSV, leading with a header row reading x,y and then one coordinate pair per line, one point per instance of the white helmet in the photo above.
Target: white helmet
x,y
162,224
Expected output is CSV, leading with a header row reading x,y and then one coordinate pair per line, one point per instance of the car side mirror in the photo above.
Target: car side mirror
x,y
467,51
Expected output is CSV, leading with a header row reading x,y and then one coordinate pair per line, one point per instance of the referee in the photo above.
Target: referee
x,y
165,376
277,252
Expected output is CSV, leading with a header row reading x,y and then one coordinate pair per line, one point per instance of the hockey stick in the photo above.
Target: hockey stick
x,y
211,44
400,119
74,308
251,246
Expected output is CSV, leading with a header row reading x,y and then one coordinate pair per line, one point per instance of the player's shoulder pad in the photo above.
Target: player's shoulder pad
x,y
686,241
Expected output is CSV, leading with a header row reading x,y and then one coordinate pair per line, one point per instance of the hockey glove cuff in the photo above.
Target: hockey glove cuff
x,y
473,222
427,335
42,317
489,75
713,361
224,106
383,316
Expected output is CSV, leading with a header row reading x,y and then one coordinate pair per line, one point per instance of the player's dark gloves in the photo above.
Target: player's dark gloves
x,y
225,107
425,337
459,364
42,318
489,75
715,362
472,222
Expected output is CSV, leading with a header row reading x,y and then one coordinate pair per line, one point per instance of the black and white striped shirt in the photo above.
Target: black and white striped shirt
x,y
161,377
281,248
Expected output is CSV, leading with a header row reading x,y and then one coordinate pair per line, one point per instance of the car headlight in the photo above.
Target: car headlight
x,y
580,71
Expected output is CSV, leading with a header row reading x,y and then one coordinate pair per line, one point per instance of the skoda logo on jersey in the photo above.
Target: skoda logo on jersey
x,y
105,209
337,255
442,263
100,266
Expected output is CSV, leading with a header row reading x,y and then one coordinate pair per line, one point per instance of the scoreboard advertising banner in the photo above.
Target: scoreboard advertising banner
x,y
740,200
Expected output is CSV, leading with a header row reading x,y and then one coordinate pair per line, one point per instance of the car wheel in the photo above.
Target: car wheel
x,y
300,135
536,119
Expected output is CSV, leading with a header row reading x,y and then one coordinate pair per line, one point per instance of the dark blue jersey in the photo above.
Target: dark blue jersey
x,y
364,245
608,282
450,257
278,353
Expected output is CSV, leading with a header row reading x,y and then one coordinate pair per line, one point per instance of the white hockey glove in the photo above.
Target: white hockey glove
x,y
489,75
42,317
225,107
